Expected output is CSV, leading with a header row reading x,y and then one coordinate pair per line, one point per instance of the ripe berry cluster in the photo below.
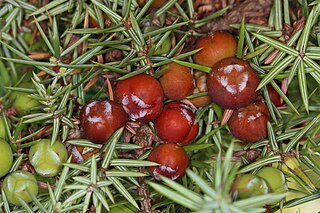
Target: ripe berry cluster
x,y
141,99
232,85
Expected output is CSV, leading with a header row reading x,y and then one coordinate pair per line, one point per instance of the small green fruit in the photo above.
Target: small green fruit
x,y
18,185
6,158
249,185
21,102
275,179
47,159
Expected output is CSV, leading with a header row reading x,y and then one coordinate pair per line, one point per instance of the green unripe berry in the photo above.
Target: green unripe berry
x,y
6,158
21,102
47,159
249,185
275,179
18,185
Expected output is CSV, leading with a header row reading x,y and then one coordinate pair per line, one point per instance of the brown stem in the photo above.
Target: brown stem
x,y
143,191
144,138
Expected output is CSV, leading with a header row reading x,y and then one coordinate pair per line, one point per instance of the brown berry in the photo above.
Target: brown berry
x,y
141,97
201,101
177,82
274,96
100,119
249,123
176,124
80,153
215,47
201,86
232,83
173,161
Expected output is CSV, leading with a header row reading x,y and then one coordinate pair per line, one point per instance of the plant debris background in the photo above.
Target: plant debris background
x,y
129,186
